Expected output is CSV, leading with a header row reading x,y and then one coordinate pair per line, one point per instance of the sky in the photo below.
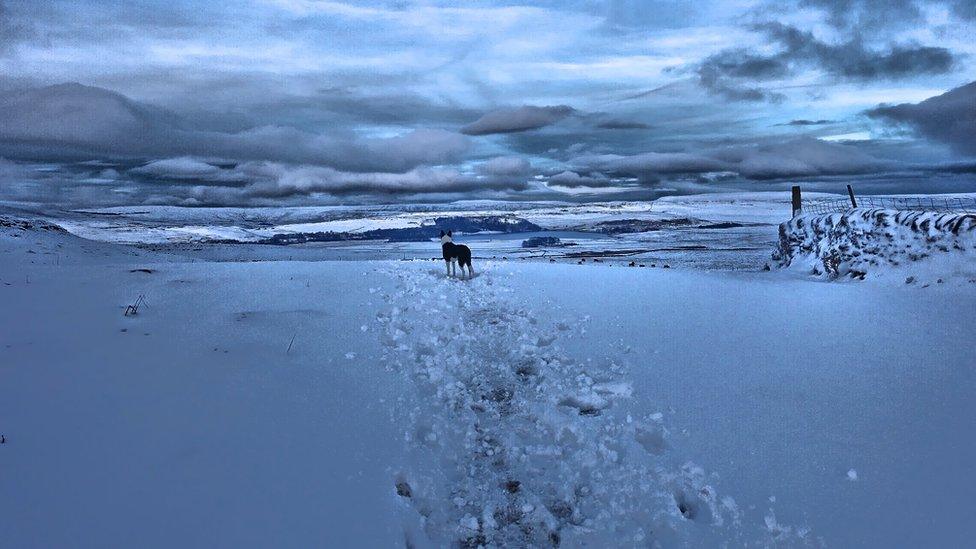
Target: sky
x,y
294,102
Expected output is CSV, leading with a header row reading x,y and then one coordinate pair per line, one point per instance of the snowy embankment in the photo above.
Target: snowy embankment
x,y
369,403
919,246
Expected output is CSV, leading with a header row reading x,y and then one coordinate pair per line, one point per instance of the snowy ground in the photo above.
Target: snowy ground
x,y
287,403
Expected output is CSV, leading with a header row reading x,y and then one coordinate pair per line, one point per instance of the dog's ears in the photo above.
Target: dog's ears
x,y
442,232
449,233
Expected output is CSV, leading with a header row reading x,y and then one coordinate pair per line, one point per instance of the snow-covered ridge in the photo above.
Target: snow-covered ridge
x,y
873,241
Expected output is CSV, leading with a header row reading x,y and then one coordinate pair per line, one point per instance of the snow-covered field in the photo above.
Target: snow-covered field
x,y
725,232
378,404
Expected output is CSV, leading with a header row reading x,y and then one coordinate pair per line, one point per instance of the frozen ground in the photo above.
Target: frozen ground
x,y
286,403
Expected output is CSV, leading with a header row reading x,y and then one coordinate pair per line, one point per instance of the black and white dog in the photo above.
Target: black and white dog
x,y
455,254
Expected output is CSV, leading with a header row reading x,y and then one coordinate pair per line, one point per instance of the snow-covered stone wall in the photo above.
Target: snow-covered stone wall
x,y
870,241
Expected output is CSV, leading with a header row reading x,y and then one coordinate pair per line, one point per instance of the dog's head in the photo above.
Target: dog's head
x,y
446,237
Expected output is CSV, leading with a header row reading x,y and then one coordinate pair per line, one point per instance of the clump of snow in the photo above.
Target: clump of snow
x,y
852,475
511,441
872,242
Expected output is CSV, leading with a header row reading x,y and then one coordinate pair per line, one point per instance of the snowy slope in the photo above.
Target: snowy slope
x,y
286,404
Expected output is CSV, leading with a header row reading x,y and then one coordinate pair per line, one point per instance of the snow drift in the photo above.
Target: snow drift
x,y
862,242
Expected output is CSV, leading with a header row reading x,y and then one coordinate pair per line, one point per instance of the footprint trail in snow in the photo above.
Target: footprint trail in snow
x,y
509,441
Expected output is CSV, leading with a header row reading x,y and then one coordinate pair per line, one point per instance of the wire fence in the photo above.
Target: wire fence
x,y
918,203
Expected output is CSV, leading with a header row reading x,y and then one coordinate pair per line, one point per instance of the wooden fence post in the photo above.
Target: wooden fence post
x,y
850,192
797,203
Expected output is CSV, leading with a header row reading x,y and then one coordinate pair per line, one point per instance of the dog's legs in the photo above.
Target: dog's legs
x,y
453,267
447,262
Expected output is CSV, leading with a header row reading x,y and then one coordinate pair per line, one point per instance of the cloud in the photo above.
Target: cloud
x,y
722,73
740,63
180,168
78,116
75,121
803,157
871,14
505,166
286,181
383,90
276,180
517,120
573,180
852,59
948,118
734,73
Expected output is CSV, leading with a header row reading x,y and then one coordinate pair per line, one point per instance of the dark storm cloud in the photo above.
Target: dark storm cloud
x,y
72,120
740,63
733,73
723,73
948,118
884,14
517,120
846,14
852,59
867,16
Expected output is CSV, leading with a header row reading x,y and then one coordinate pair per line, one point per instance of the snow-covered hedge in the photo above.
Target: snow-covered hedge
x,y
864,241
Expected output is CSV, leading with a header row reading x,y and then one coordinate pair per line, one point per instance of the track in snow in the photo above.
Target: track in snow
x,y
511,442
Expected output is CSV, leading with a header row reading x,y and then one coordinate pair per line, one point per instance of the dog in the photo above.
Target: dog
x,y
455,254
